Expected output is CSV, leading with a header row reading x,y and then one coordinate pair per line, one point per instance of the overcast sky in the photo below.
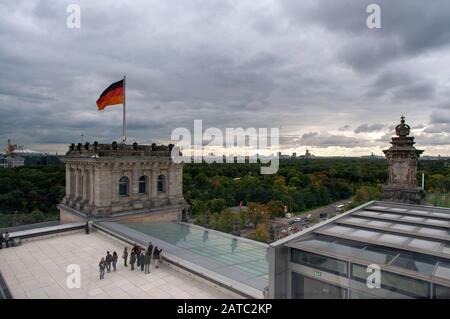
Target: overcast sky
x,y
311,68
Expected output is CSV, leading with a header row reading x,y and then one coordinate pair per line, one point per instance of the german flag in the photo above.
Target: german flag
x,y
114,94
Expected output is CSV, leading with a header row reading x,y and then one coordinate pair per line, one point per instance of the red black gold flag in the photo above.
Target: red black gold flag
x,y
114,94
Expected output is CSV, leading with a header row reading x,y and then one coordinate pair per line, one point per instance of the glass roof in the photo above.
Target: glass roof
x,y
383,237
395,227
423,211
443,270
404,218
242,260
377,255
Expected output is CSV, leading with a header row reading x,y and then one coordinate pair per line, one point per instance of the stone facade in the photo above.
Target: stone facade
x,y
108,180
402,159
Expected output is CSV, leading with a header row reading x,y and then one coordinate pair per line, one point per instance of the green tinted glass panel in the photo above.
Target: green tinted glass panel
x,y
397,283
332,265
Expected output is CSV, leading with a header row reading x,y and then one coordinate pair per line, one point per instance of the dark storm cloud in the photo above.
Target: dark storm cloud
x,y
440,117
366,128
401,85
433,140
325,140
312,66
437,128
408,28
344,128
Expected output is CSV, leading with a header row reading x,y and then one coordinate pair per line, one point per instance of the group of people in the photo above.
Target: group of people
x,y
4,238
138,256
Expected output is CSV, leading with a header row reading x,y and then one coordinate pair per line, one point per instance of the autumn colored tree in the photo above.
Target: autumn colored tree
x,y
261,232
256,214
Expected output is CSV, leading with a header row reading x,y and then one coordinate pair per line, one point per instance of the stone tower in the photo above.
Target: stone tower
x,y
402,158
136,182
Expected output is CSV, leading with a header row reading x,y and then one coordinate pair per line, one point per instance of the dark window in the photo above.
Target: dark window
x,y
161,187
397,283
123,186
308,288
441,292
320,262
142,185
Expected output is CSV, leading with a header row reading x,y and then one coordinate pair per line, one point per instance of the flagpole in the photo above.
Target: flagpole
x,y
124,110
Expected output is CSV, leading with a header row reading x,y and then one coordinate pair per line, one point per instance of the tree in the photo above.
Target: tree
x,y
261,233
256,214
275,208
199,207
217,205
437,182
37,216
225,221
201,180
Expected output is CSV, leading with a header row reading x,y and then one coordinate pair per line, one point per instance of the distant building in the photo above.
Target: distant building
x,y
373,156
307,155
19,156
124,181
294,155
10,148
11,161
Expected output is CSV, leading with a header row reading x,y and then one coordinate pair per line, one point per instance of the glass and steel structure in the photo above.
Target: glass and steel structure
x,y
407,246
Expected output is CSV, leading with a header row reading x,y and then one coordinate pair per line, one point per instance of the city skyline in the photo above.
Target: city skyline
x,y
312,69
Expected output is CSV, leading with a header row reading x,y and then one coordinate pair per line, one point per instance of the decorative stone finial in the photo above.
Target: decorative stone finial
x,y
402,158
402,129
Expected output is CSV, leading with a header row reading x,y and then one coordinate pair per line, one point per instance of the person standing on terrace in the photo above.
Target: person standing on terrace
x,y
108,261
157,256
102,266
114,260
147,259
141,260
125,256
132,259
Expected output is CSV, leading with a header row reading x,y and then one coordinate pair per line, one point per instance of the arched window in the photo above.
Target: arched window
x,y
161,187
142,185
123,186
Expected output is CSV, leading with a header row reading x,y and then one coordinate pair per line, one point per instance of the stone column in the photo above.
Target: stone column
x,y
153,181
77,183
85,185
134,180
68,182
114,184
103,185
91,186
179,180
72,182
169,178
